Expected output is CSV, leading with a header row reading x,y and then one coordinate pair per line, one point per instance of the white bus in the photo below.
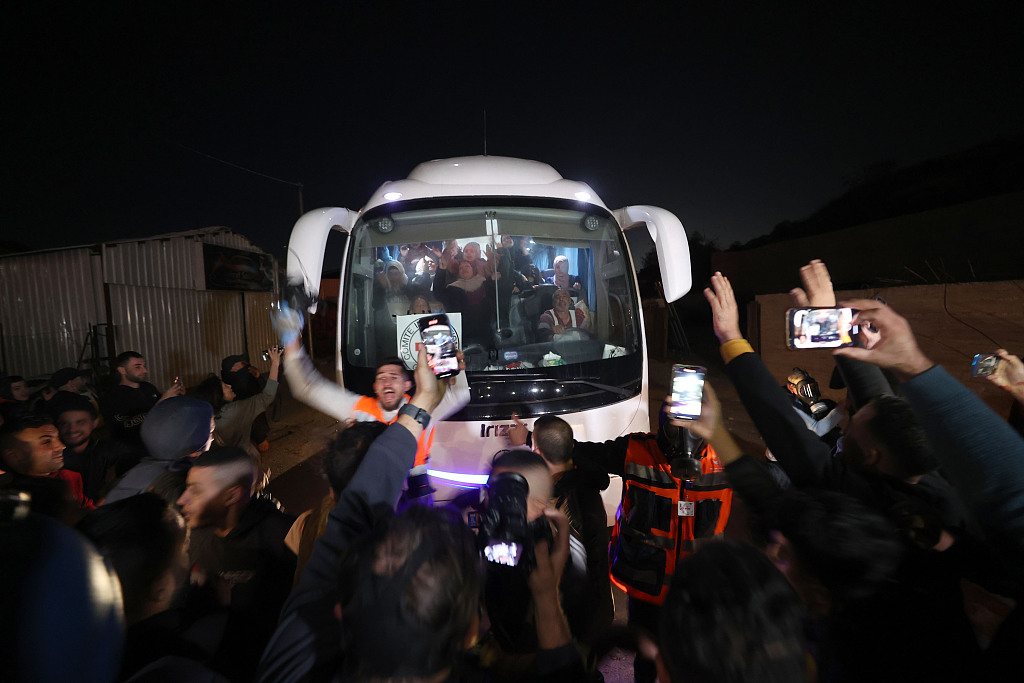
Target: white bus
x,y
523,216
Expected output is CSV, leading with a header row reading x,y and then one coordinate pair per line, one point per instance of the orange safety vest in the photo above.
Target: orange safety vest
x,y
661,517
369,407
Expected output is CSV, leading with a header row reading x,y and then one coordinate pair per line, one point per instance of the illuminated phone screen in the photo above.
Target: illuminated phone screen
x,y
500,552
687,391
440,349
821,328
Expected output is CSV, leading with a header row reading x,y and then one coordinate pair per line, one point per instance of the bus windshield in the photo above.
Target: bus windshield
x,y
531,292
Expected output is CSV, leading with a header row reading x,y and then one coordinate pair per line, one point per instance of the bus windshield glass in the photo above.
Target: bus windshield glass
x,y
525,288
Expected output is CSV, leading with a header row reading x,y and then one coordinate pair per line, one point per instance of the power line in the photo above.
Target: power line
x,y
234,165
243,168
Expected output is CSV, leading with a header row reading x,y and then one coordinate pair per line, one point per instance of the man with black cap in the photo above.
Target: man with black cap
x,y
99,462
70,380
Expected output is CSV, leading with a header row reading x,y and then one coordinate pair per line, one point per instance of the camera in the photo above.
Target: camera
x,y
265,354
506,537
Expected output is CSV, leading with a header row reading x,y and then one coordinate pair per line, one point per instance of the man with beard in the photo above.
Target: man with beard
x,y
30,448
237,553
391,385
125,406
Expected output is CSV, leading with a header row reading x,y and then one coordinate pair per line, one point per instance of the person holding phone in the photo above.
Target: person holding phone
x,y
391,385
661,517
394,627
886,463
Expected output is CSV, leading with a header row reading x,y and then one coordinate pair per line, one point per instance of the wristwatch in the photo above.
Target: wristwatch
x,y
418,414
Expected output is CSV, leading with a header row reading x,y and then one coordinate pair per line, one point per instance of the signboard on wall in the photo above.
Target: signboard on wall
x,y
234,269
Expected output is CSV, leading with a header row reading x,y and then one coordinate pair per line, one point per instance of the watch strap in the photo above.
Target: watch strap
x,y
416,413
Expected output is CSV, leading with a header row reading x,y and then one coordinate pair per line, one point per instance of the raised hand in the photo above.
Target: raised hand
x,y
724,313
817,290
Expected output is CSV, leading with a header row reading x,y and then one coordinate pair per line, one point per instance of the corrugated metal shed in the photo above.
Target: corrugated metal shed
x,y
147,295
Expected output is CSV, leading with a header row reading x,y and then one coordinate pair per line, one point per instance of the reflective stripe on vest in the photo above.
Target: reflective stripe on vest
x,y
650,476
639,556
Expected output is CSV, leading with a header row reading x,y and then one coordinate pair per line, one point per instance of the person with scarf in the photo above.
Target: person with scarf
x,y
561,277
471,294
391,289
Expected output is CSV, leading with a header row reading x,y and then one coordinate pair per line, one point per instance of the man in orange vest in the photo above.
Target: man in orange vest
x,y
391,385
674,493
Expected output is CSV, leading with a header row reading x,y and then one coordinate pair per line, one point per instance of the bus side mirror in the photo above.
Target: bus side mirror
x,y
669,242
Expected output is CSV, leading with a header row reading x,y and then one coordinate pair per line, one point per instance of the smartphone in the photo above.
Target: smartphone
x,y
439,339
820,328
687,391
984,364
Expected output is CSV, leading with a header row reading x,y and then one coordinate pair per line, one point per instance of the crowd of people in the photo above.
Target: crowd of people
x,y
154,553
479,283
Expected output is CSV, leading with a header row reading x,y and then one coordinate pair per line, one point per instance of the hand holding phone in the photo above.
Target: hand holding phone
x,y
687,391
439,341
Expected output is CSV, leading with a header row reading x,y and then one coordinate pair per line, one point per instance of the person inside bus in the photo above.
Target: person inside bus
x,y
422,280
412,254
391,288
563,320
521,259
471,295
481,265
562,279
421,305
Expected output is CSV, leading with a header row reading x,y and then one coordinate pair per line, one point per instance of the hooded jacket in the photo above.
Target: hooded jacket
x,y
175,429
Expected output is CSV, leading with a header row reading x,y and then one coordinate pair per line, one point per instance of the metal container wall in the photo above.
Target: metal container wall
x,y
48,304
154,290
181,332
186,333
174,260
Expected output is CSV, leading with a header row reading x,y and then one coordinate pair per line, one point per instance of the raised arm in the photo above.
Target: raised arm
x,y
747,477
307,638
312,388
799,451
863,381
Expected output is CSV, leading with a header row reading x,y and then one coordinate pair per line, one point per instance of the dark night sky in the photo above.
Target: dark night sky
x,y
733,118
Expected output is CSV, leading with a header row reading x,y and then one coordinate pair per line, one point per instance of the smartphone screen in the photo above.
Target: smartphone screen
x,y
820,328
504,553
687,391
984,364
440,343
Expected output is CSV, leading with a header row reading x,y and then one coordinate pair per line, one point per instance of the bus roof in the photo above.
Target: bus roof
x,y
483,176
